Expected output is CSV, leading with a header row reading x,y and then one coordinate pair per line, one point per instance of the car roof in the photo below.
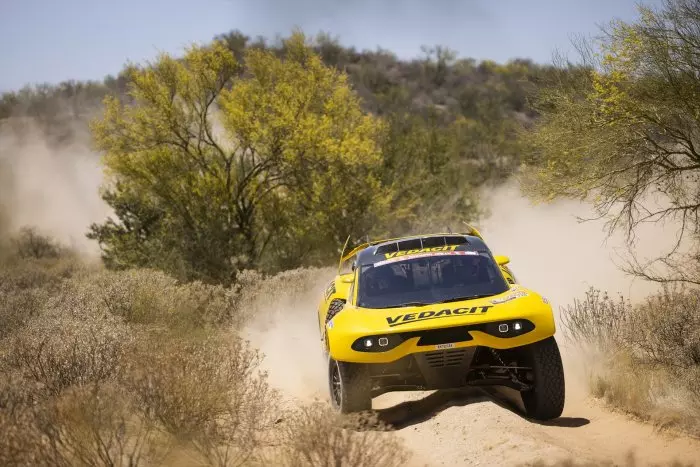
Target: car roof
x,y
378,252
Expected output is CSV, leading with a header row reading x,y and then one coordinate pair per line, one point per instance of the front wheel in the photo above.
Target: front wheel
x,y
545,400
350,387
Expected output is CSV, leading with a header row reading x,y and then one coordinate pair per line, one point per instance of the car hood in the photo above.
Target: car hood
x,y
517,302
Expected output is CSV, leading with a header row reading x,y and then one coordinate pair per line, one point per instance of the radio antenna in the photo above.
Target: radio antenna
x,y
342,253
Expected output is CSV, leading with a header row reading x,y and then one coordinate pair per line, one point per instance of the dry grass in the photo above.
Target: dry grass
x,y
315,436
631,461
111,368
597,321
22,443
26,285
60,351
130,368
100,425
207,393
643,358
30,243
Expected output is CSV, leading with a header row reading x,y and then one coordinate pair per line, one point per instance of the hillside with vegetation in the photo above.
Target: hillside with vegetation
x,y
236,171
443,128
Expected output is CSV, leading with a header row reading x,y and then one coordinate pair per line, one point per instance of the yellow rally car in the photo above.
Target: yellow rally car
x,y
434,312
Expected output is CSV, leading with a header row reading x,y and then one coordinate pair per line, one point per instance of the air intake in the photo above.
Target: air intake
x,y
445,358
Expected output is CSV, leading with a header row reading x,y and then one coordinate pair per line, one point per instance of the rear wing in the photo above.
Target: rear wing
x,y
344,257
472,231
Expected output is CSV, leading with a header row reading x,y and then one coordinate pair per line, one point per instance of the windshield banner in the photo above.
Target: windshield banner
x,y
426,254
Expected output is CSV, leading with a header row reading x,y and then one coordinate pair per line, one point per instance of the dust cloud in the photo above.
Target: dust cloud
x,y
561,257
53,188
550,250
557,255
56,189
284,327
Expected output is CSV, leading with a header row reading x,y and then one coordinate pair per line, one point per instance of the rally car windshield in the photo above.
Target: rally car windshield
x,y
406,281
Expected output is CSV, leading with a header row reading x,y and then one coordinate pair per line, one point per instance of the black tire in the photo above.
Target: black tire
x,y
545,400
350,386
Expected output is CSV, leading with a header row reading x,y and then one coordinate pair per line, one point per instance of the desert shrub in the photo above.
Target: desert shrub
x,y
110,367
18,393
91,425
642,358
17,307
665,329
30,243
22,443
207,393
27,284
597,320
33,274
98,425
59,351
150,297
316,436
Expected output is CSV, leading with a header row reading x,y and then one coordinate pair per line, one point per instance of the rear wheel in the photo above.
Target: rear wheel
x,y
349,385
545,400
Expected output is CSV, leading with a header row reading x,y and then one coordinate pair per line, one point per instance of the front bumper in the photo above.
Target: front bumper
x,y
345,342
448,369
441,369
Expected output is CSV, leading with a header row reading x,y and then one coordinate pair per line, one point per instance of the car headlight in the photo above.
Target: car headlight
x,y
509,328
380,343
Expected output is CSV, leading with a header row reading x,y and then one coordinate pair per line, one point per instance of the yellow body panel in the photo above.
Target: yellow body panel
x,y
352,322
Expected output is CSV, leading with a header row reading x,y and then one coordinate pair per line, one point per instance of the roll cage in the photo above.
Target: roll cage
x,y
348,258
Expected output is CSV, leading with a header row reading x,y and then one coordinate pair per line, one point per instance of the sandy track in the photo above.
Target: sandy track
x,y
474,427
471,427
463,427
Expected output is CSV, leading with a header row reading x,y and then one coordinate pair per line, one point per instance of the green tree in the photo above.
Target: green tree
x,y
214,167
625,127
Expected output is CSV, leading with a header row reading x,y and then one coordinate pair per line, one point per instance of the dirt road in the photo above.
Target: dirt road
x,y
472,428
463,427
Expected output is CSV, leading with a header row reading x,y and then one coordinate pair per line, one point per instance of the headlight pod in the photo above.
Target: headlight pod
x,y
509,328
385,342
380,343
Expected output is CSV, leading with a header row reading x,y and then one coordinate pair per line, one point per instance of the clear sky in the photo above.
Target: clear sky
x,y
55,40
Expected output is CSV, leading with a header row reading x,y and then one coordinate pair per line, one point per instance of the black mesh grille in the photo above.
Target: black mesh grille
x,y
413,244
455,240
445,358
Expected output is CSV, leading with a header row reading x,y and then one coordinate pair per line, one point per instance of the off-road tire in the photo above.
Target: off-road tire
x,y
350,386
545,400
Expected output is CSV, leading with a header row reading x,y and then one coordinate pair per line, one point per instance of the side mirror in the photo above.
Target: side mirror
x,y
347,279
502,260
